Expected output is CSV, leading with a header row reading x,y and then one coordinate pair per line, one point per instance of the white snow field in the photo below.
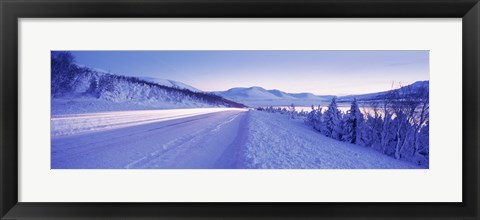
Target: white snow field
x,y
201,139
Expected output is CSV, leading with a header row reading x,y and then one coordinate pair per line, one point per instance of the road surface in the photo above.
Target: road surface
x,y
149,139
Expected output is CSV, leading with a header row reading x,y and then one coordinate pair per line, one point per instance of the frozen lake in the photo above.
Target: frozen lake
x,y
342,108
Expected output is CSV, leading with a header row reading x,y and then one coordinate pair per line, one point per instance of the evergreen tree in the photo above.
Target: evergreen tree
x,y
354,124
93,88
309,119
317,119
291,111
372,132
63,71
387,133
332,121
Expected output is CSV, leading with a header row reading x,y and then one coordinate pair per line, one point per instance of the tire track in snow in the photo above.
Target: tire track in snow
x,y
130,134
234,156
180,146
100,147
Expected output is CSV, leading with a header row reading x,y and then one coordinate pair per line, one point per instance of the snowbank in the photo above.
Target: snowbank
x,y
274,141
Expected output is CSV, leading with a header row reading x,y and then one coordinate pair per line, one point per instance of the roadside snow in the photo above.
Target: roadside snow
x,y
79,105
274,141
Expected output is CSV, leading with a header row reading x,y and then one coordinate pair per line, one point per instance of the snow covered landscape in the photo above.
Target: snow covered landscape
x,y
200,139
106,120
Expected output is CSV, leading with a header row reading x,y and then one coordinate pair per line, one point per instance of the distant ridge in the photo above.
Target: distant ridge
x,y
412,88
258,96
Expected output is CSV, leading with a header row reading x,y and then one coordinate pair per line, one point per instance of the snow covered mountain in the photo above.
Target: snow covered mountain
x,y
170,83
253,93
258,96
78,89
405,90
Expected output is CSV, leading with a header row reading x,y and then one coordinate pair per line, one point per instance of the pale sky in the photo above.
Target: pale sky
x,y
318,72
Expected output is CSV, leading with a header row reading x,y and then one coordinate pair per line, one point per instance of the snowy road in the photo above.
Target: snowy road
x,y
190,138
201,139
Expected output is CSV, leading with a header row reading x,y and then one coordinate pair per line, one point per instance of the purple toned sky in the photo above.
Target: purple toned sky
x,y
318,72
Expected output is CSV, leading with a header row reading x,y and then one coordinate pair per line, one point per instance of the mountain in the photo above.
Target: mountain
x,y
79,89
170,83
411,89
306,95
252,93
258,96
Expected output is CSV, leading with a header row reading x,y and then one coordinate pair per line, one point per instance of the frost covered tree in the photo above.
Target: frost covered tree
x,y
373,127
396,123
422,154
386,129
314,118
410,108
291,111
354,124
332,120
400,129
63,71
406,112
93,88
420,118
309,119
318,119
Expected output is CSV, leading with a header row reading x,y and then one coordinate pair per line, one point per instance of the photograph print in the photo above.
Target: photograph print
x,y
240,109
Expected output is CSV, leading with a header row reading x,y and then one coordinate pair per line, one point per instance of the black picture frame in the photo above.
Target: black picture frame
x,y
12,10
